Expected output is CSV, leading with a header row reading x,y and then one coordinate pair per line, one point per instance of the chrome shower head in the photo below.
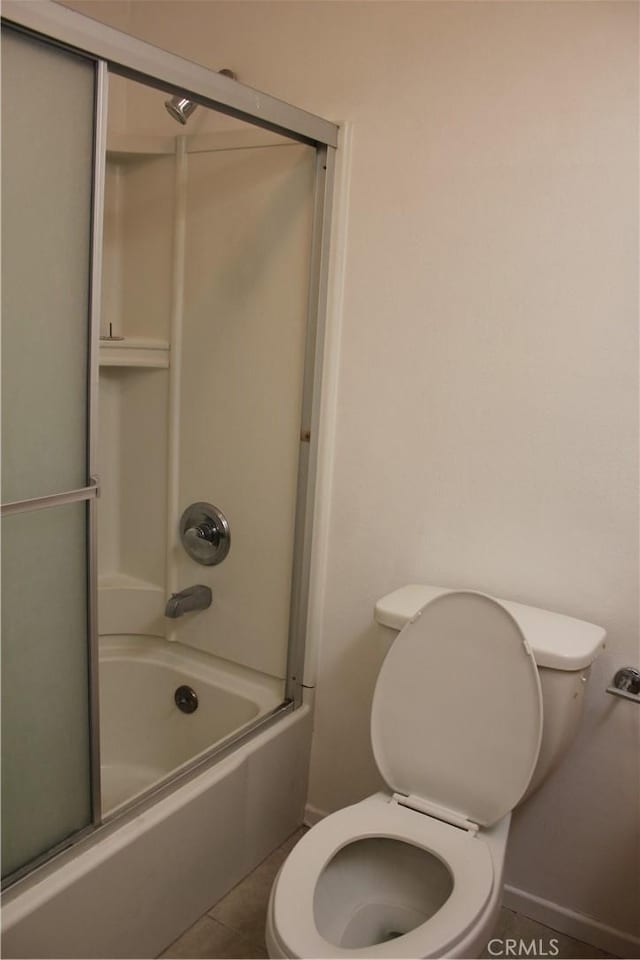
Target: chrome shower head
x,y
181,108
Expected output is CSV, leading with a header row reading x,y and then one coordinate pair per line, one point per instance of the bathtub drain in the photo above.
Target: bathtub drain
x,y
186,699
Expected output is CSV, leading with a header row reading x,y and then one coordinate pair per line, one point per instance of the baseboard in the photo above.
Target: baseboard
x,y
313,815
575,925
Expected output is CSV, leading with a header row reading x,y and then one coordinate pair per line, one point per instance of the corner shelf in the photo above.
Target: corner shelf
x,y
134,352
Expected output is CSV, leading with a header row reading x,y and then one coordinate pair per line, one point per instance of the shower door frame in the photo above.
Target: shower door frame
x,y
115,52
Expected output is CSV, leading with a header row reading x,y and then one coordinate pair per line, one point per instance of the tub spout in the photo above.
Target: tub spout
x,y
193,598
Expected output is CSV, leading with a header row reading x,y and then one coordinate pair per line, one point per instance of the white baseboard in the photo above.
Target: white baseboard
x,y
575,925
552,915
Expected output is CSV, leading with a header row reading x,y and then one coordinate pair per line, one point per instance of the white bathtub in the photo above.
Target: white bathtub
x,y
144,736
133,886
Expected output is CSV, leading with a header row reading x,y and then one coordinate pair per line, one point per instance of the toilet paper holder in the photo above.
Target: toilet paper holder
x,y
626,684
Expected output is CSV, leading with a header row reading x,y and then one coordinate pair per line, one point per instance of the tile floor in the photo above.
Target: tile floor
x,y
233,929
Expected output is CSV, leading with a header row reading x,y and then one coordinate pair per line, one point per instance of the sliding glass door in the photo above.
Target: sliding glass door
x,y
48,98
213,261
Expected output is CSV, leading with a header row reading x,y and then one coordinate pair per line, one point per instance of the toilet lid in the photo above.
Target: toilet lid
x,y
456,719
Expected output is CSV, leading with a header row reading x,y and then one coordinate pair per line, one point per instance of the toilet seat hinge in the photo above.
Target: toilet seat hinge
x,y
435,810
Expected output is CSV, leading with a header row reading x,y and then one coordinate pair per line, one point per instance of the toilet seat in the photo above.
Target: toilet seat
x,y
466,855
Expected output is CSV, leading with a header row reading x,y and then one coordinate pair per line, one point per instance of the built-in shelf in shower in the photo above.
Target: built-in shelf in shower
x,y
134,352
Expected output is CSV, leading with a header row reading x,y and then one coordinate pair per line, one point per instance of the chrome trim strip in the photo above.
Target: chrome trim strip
x,y
25,872
93,662
156,67
97,231
309,426
53,499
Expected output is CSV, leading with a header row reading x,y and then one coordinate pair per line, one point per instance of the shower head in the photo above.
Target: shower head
x,y
181,108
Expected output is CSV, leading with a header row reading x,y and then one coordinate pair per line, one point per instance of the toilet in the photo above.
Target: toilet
x,y
475,704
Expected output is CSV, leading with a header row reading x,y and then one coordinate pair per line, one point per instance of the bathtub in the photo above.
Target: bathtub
x,y
134,884
144,736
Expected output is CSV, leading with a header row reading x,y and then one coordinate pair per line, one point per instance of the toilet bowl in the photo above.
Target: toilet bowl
x,y
457,730
367,880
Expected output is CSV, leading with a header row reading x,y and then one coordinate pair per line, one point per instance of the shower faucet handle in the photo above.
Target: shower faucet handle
x,y
205,534
202,531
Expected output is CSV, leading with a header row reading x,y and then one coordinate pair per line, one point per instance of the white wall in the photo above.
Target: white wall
x,y
487,430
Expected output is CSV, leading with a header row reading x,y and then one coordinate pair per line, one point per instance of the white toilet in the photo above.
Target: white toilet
x,y
475,703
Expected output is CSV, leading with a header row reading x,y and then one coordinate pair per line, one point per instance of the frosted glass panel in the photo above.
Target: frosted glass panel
x,y
47,144
45,714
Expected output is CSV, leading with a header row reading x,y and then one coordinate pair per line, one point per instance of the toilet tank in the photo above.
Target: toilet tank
x,y
563,648
562,704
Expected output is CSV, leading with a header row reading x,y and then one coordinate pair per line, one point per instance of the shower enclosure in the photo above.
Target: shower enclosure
x,y
164,286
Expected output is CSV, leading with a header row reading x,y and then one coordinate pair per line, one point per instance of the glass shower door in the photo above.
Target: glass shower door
x,y
48,100
215,248
208,240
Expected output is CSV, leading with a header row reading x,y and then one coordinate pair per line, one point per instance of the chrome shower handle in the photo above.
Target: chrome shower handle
x,y
205,534
202,531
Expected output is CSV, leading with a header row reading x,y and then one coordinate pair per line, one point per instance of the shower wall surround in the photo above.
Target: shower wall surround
x,y
249,218
207,251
